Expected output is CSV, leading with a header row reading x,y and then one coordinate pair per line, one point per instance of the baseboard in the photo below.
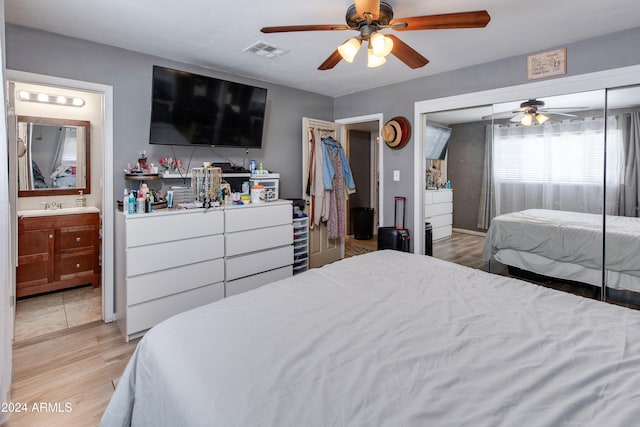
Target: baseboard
x,y
475,233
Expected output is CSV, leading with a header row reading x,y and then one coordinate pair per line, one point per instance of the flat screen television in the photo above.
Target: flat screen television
x,y
189,109
436,141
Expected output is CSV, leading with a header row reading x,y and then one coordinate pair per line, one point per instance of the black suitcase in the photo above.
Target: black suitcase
x,y
396,237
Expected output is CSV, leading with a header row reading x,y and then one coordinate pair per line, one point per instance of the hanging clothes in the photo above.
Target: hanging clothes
x,y
333,147
318,194
338,179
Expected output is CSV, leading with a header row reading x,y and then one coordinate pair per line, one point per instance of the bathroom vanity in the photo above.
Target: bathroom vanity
x,y
57,249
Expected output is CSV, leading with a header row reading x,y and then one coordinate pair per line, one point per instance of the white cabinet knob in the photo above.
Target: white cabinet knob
x,y
77,265
77,239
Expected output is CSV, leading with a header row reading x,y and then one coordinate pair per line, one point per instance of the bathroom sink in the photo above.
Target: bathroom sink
x,y
60,211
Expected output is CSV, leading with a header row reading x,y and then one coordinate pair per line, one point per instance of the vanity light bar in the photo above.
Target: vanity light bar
x,y
70,101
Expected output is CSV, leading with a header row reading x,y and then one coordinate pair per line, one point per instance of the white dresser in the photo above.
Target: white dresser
x,y
168,262
258,245
155,253
438,210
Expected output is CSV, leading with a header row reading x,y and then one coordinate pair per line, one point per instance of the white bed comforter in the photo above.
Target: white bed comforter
x,y
388,339
569,237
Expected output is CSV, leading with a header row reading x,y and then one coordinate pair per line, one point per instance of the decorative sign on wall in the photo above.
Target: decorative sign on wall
x,y
547,64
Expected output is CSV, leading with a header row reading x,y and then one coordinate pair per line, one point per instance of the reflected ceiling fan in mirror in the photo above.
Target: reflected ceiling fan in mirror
x,y
369,17
533,111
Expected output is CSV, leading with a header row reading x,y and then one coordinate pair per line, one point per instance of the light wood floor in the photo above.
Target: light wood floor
x,y
461,248
78,365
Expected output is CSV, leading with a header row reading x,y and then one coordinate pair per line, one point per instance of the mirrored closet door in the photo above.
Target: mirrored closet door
x,y
621,274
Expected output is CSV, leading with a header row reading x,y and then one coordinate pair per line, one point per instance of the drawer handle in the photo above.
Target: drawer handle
x,y
77,265
51,236
77,239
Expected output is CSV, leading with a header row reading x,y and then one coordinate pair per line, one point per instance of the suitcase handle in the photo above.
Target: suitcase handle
x,y
399,203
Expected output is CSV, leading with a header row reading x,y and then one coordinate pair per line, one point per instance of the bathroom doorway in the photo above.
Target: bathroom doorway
x,y
44,313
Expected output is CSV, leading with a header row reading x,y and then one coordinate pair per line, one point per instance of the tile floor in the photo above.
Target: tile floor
x,y
55,311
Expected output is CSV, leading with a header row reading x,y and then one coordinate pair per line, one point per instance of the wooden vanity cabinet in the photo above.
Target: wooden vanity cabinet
x,y
57,252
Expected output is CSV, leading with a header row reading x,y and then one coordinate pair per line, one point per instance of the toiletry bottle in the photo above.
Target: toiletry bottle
x,y
140,204
125,201
81,200
132,204
170,199
149,202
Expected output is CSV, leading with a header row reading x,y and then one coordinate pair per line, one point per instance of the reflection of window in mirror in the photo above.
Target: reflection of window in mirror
x,y
53,156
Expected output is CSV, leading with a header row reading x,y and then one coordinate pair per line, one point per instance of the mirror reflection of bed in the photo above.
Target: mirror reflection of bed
x,y
543,202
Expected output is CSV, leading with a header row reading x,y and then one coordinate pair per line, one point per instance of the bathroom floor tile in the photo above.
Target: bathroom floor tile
x,y
52,312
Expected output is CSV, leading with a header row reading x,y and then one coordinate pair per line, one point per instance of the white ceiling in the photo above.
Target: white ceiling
x,y
213,34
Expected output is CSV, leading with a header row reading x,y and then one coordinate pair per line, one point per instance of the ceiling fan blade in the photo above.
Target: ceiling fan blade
x,y
331,61
517,117
406,53
364,7
477,19
554,109
555,113
290,28
499,115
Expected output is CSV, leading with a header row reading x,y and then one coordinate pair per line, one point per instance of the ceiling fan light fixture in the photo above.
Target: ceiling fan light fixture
x,y
349,49
375,60
380,45
527,119
541,118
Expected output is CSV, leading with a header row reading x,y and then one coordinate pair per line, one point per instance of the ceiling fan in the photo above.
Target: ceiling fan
x,y
369,17
533,111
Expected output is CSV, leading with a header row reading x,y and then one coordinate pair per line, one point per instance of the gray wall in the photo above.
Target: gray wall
x,y
129,73
611,51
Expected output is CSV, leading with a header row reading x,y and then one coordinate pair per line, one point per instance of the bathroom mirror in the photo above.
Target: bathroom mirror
x,y
53,156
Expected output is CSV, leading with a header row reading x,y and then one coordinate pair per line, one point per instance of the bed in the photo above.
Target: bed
x,y
387,339
568,245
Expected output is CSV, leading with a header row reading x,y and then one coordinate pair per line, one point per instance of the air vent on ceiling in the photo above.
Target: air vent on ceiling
x,y
265,50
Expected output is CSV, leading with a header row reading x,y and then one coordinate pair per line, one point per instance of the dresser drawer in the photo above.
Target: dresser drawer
x,y
442,232
245,284
258,239
258,262
78,264
174,280
442,196
440,220
150,229
438,209
248,218
77,237
162,256
143,316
